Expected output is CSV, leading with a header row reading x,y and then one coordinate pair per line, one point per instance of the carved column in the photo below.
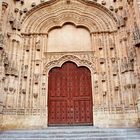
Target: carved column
x,y
93,42
108,78
44,42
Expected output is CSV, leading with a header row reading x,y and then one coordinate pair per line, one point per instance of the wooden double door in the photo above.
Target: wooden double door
x,y
70,96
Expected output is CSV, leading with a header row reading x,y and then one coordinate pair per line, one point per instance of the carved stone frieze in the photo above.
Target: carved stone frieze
x,y
81,55
57,59
64,58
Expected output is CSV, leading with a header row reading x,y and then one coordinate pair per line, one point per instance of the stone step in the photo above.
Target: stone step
x,y
72,133
68,137
69,132
80,138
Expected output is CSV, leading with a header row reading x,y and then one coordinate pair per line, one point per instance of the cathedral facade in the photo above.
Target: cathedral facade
x,y
69,62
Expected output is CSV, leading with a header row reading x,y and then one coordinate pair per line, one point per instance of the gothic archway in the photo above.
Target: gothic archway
x,y
58,63
70,95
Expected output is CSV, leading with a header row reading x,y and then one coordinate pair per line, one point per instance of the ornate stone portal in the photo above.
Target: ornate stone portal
x,y
27,56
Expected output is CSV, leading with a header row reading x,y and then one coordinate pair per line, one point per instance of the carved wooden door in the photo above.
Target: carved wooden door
x,y
70,96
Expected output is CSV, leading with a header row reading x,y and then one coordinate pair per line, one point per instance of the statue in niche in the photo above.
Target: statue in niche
x,y
27,47
131,59
14,71
1,57
130,65
1,38
5,60
121,21
11,18
1,72
125,15
7,69
25,71
16,25
111,43
132,54
38,45
124,65
36,78
136,32
130,1
100,42
115,66
35,95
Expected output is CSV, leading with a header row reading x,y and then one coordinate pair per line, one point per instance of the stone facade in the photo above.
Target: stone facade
x,y
33,36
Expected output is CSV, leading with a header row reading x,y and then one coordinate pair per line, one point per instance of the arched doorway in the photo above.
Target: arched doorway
x,y
70,95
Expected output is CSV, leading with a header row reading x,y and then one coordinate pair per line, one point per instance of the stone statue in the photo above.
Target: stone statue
x,y
136,32
38,45
36,78
115,66
1,38
124,65
130,65
132,54
121,21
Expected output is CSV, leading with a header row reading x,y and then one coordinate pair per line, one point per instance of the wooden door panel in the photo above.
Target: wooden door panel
x,y
57,112
70,95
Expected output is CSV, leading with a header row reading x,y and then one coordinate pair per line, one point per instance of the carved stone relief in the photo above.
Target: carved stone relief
x,y
79,58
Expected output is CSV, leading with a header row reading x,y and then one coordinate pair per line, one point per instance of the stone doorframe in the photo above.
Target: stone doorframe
x,y
59,62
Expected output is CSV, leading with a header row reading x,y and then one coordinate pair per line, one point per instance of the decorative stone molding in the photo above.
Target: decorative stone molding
x,y
64,58
69,13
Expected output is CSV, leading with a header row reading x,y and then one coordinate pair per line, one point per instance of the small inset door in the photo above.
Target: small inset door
x,y
70,95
